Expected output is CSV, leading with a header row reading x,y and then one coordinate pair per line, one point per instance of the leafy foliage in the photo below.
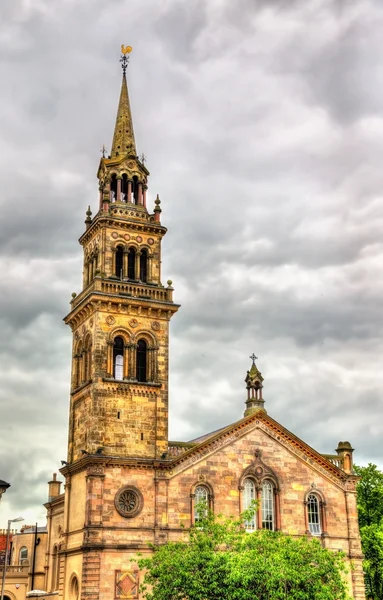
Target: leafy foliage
x,y
218,560
370,510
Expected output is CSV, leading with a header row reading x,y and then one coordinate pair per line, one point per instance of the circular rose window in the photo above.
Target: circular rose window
x,y
129,501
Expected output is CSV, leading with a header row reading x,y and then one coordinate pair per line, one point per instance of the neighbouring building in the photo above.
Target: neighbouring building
x,y
126,484
27,561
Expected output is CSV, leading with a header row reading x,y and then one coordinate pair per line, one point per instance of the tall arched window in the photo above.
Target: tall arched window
x,y
141,361
201,495
268,513
132,263
313,515
118,358
248,496
144,265
119,261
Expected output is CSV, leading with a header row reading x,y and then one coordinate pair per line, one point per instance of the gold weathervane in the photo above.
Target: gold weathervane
x,y
124,60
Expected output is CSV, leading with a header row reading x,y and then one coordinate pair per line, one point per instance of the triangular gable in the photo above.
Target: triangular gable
x,y
258,420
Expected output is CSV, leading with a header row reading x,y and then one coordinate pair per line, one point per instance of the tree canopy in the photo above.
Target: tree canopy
x,y
370,511
219,560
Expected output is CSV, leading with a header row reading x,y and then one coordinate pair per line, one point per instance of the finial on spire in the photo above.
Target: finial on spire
x,y
254,385
124,60
253,358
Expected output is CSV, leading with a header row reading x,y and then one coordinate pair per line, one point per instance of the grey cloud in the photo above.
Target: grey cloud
x,y
264,142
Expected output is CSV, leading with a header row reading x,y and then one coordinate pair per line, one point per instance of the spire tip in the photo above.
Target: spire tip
x,y
124,60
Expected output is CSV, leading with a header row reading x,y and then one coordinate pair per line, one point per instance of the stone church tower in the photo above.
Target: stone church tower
x,y
120,320
119,385
126,485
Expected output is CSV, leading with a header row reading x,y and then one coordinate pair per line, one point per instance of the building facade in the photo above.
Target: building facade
x,y
126,484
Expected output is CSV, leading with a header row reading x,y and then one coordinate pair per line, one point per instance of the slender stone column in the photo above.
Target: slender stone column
x,y
137,266
129,194
125,263
139,194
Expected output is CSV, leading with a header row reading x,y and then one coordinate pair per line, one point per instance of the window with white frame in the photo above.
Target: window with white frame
x,y
23,555
249,495
313,515
201,495
268,513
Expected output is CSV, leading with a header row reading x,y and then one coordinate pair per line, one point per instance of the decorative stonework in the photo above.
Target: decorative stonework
x,y
127,585
156,326
133,323
115,235
110,320
129,501
139,239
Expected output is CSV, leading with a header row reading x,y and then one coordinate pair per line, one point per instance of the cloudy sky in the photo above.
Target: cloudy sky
x,y
262,124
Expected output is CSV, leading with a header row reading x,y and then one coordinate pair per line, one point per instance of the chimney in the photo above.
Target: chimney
x,y
53,488
344,451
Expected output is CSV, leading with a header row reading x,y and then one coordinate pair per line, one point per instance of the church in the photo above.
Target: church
x,y
126,485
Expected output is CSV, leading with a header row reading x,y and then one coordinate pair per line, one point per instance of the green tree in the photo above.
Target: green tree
x,y
219,560
370,511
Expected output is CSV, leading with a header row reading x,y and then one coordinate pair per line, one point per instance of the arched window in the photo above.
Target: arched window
x,y
132,263
113,188
313,515
124,188
141,361
201,495
119,261
118,358
135,190
268,513
144,266
248,496
23,555
54,569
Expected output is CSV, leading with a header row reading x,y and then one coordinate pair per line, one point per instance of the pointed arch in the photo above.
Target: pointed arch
x,y
264,488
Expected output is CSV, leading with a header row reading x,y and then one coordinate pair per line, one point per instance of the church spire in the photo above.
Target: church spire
x,y
254,385
123,139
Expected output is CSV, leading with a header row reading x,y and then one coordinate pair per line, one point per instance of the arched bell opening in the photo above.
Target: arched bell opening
x,y
119,262
144,265
141,361
132,263
135,190
124,188
113,188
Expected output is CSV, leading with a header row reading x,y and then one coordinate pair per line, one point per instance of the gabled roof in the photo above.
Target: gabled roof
x,y
260,419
